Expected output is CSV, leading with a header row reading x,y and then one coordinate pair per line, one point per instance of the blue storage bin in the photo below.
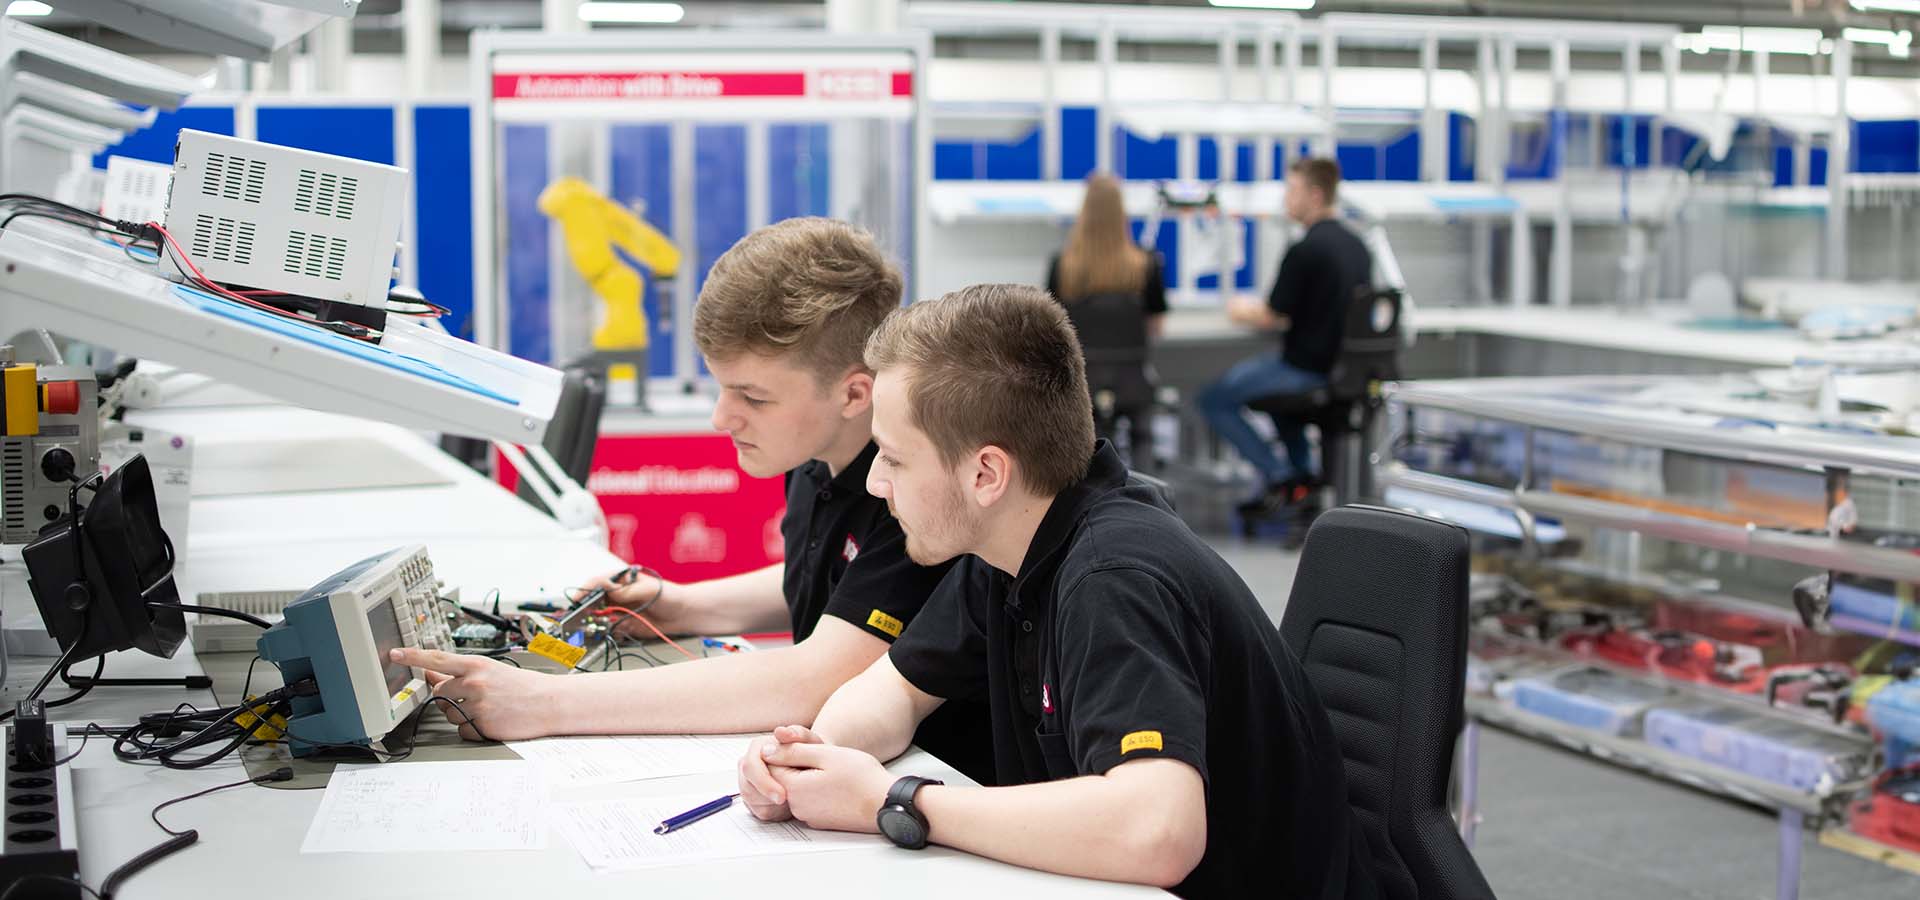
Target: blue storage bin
x,y
1873,606
1587,697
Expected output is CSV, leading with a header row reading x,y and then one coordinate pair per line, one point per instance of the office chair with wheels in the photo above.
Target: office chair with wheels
x,y
1378,618
1345,407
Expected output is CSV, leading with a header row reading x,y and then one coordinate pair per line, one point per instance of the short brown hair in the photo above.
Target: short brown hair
x,y
995,364
808,289
1320,172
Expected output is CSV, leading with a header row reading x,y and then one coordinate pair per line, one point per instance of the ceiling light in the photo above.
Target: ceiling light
x,y
1905,6
640,13
1802,41
28,8
1270,4
1898,43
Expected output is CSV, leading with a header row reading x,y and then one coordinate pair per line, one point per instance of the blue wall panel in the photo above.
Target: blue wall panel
x,y
443,211
1358,162
1887,146
798,184
1400,160
1079,146
155,142
1018,161
1149,159
952,161
719,195
524,157
361,132
642,173
1460,137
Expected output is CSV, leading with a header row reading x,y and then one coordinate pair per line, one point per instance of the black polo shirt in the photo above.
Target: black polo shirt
x,y
847,558
1317,280
1125,637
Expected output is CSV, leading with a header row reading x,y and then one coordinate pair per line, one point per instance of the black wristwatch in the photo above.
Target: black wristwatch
x,y
899,819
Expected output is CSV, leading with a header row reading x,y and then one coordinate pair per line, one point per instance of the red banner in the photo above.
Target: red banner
x,y
827,84
680,504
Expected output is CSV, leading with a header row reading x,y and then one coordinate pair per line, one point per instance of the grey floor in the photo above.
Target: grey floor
x,y
1557,825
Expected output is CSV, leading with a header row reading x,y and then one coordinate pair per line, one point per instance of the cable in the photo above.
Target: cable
x,y
85,734
42,876
180,840
179,256
284,773
255,621
142,742
100,665
651,627
482,615
65,655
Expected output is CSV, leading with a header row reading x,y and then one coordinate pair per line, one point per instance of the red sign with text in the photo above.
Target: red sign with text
x,y
827,84
680,504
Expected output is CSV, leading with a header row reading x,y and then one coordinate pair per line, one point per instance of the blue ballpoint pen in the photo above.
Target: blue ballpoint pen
x,y
675,823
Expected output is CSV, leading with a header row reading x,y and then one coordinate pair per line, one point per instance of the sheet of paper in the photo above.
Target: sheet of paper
x,y
589,761
409,807
618,834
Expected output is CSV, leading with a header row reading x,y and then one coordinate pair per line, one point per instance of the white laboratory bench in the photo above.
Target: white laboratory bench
x,y
275,518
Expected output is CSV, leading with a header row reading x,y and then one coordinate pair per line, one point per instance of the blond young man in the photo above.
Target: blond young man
x,y
1147,720
782,322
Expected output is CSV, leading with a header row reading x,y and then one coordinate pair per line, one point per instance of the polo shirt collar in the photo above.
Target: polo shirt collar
x,y
852,479
1105,473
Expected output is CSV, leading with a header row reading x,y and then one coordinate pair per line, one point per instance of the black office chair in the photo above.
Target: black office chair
x,y
1378,618
1347,404
574,429
1113,338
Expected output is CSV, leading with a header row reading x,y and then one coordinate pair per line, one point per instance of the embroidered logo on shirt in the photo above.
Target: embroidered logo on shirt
x,y
1140,740
850,551
886,623
1046,699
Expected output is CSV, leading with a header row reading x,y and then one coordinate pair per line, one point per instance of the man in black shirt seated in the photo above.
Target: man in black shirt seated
x,y
1318,277
1147,720
782,322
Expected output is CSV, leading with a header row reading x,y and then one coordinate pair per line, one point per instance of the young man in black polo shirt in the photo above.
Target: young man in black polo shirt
x,y
782,321
1149,722
1308,304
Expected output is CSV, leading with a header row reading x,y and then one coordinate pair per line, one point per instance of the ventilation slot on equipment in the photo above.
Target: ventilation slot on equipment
x,y
234,178
325,194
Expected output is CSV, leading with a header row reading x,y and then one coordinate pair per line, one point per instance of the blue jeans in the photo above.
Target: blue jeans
x,y
1223,403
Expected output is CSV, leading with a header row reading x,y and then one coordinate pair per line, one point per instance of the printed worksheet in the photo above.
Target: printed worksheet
x,y
618,834
590,761
409,807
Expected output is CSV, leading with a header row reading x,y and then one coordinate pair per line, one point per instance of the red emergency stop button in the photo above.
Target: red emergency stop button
x,y
61,398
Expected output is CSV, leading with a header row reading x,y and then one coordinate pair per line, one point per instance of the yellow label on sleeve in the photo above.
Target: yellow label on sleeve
x,y
1140,740
886,623
557,650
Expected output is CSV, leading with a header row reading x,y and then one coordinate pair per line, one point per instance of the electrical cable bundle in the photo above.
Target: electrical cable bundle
x,y
155,237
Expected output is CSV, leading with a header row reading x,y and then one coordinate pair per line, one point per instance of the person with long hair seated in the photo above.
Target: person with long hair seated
x,y
1116,298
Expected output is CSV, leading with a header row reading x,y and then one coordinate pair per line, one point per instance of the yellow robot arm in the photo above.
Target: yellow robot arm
x,y
592,226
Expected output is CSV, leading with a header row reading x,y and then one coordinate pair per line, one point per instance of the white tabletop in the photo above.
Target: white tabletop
x,y
1658,331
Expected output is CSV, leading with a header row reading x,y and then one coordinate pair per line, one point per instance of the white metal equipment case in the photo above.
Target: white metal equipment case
x,y
279,219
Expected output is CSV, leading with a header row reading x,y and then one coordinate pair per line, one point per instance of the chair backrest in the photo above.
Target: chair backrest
x,y
1369,343
1378,618
1112,327
575,427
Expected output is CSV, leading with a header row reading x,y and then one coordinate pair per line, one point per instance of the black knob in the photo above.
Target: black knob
x,y
57,465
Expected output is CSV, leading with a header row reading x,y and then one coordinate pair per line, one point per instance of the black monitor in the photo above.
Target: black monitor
x,y
102,574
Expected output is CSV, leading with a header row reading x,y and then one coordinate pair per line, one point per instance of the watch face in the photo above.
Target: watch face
x,y
902,828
